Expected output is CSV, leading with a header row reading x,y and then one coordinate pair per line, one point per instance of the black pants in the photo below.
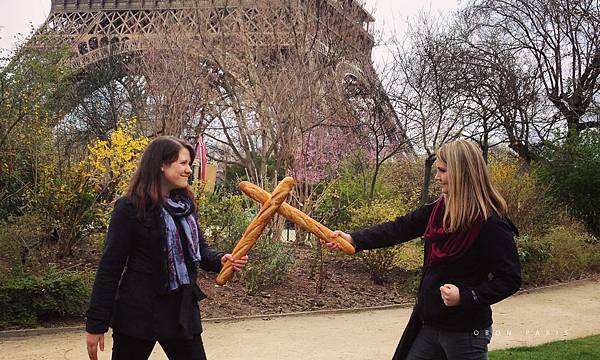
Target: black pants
x,y
130,348
437,344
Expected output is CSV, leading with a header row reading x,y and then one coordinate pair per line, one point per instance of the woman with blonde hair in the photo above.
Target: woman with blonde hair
x,y
470,261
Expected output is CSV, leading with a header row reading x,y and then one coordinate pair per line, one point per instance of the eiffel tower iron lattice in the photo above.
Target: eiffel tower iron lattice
x,y
97,29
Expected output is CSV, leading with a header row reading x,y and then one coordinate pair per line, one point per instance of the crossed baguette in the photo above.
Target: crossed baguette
x,y
298,217
257,225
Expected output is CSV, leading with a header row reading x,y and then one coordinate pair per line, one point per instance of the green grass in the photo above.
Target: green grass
x,y
578,349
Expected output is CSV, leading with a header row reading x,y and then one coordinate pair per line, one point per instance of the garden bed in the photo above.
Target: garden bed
x,y
347,284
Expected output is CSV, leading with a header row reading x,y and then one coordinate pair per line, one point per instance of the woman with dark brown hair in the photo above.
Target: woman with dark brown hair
x,y
145,286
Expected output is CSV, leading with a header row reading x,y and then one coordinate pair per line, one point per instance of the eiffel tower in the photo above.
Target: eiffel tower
x,y
100,30
97,29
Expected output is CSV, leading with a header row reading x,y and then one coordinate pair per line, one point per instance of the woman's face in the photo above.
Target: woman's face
x,y
176,174
441,176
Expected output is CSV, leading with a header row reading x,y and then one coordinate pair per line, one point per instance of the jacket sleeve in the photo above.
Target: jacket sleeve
x,y
110,268
505,269
403,229
211,258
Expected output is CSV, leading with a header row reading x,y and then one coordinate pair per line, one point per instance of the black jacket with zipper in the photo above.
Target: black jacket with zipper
x,y
488,272
130,290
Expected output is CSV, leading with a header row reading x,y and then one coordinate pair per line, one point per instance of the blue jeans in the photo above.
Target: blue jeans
x,y
433,344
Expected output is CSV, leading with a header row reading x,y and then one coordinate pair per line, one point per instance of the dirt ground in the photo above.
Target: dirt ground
x,y
555,313
346,284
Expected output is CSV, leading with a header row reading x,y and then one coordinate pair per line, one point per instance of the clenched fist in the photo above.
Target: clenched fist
x,y
450,294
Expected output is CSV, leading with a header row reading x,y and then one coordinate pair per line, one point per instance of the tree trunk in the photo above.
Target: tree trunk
x,y
374,181
485,143
427,178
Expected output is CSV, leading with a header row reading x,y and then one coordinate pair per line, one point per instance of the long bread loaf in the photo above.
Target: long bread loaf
x,y
257,225
300,218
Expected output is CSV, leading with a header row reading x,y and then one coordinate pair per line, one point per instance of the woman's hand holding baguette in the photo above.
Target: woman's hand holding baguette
x,y
237,264
335,245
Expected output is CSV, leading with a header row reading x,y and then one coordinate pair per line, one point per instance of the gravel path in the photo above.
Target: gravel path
x,y
555,313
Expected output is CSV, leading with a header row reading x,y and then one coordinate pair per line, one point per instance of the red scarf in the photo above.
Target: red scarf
x,y
444,246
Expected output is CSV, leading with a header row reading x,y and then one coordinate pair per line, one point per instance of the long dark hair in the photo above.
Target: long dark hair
x,y
145,188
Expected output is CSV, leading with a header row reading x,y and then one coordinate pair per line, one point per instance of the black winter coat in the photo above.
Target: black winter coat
x,y
488,272
130,292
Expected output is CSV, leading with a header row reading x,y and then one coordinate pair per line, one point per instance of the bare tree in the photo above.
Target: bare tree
x,y
503,92
429,78
373,121
106,95
253,79
562,38
178,83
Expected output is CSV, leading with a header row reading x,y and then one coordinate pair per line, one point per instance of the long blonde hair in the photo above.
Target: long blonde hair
x,y
471,194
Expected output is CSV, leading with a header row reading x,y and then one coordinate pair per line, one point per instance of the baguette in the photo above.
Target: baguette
x,y
256,226
298,217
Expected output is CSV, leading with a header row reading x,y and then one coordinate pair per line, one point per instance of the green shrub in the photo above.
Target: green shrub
x,y
552,247
594,260
36,90
67,202
571,173
572,250
23,242
381,262
564,253
269,264
27,299
534,254
223,219
343,193
351,189
403,177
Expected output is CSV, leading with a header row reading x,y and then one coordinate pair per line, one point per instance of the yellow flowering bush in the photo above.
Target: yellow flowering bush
x,y
528,208
111,163
75,200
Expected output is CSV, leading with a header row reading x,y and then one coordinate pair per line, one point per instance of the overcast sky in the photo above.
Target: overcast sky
x,y
18,16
